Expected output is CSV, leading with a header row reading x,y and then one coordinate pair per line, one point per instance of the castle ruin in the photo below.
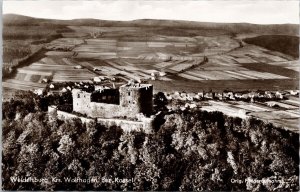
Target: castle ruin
x,y
125,102
129,107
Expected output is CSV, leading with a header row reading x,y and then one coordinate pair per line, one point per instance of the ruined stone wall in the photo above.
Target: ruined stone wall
x,y
146,124
136,100
81,101
127,126
112,111
104,110
133,100
54,114
64,115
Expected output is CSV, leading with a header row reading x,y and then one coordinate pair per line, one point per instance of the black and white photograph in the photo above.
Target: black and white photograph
x,y
128,95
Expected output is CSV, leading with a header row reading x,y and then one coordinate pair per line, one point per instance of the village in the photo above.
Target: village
x,y
278,107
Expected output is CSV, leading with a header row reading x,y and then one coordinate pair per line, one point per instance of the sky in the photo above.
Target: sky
x,y
255,11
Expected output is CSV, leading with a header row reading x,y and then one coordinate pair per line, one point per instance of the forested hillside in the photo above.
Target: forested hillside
x,y
282,43
193,150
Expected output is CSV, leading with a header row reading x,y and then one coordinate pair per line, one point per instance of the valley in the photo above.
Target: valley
x,y
172,58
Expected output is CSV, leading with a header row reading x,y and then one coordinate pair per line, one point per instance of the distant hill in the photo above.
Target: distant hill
x,y
274,29
13,19
281,43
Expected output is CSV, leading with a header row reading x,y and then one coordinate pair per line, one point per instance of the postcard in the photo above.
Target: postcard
x,y
150,95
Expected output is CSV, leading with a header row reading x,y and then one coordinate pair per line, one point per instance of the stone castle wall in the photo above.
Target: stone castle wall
x,y
54,113
104,110
81,101
133,100
127,126
137,99
145,124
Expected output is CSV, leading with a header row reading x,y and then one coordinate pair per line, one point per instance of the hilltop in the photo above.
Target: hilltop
x,y
276,29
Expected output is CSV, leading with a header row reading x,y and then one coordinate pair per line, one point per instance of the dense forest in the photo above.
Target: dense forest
x,y
282,43
192,150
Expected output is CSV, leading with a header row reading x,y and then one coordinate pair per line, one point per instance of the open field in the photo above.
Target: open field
x,y
221,85
21,85
66,44
253,107
137,52
58,70
288,119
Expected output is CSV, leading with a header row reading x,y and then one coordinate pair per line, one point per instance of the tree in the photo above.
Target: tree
x,y
160,101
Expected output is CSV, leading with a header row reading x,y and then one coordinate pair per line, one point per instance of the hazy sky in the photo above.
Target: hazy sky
x,y
255,11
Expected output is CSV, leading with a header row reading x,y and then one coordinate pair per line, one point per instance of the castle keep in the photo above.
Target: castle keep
x,y
125,102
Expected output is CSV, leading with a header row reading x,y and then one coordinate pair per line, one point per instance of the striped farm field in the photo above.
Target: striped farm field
x,y
228,75
72,75
223,75
245,60
57,69
206,75
101,41
96,55
210,75
95,49
285,115
189,76
20,76
131,49
254,107
21,85
48,60
263,55
293,63
158,44
276,58
295,111
234,75
240,74
181,66
60,53
68,41
291,102
294,68
34,72
70,78
275,115
142,44
280,104
163,64
47,67
262,75
123,48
